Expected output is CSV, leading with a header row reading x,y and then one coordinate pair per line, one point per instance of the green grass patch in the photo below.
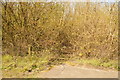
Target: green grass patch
x,y
111,64
20,66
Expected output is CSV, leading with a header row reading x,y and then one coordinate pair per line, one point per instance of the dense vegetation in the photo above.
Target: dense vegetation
x,y
45,33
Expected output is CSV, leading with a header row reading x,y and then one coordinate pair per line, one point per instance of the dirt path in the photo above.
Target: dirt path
x,y
68,71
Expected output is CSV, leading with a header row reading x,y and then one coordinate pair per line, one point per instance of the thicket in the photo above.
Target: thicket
x,y
82,29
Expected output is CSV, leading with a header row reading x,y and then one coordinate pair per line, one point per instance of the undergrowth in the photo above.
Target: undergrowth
x,y
98,63
29,65
23,65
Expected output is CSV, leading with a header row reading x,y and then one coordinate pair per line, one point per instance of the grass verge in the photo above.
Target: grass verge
x,y
29,65
98,63
17,66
